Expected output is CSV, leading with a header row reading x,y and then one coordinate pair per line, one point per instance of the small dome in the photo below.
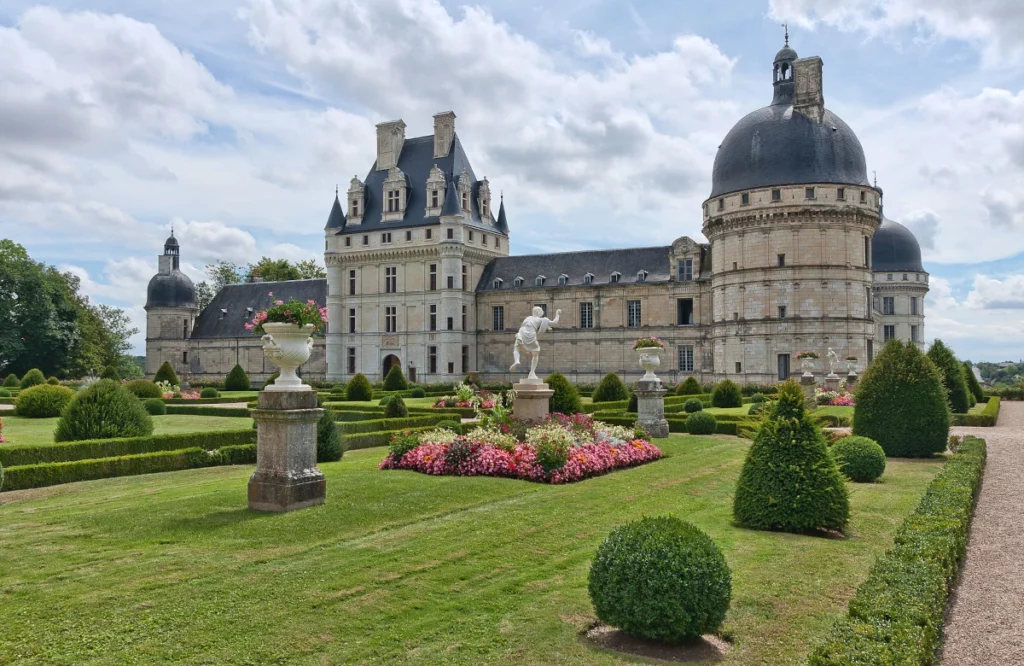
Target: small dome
x,y
894,248
786,53
171,290
171,242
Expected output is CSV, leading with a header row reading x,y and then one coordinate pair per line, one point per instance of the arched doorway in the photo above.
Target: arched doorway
x,y
390,361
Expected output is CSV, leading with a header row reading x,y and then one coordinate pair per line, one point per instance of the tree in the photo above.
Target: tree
x,y
611,389
566,399
273,270
952,376
972,382
204,294
395,380
224,273
165,373
310,270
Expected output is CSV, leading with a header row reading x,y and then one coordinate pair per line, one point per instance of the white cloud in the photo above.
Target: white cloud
x,y
207,242
992,294
925,226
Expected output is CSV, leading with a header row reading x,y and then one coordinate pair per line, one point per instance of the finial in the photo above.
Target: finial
x,y
335,190
786,27
875,174
172,229
503,195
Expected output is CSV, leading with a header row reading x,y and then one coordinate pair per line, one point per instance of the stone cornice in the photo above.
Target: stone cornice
x,y
792,218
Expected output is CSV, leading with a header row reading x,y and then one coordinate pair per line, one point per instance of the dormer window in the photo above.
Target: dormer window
x,y
465,202
539,282
497,283
356,196
588,278
435,198
563,279
518,282
393,201
484,199
863,197
615,277
641,276
465,190
776,195
435,191
394,195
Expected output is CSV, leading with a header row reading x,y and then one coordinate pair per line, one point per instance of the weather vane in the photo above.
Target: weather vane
x,y
785,26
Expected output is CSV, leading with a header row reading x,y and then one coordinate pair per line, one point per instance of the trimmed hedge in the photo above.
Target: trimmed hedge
x,y
143,389
952,376
30,454
237,380
110,372
209,392
223,400
701,423
611,389
395,380
380,425
329,447
690,387
395,408
12,381
43,401
986,419
241,454
369,440
33,377
897,615
199,410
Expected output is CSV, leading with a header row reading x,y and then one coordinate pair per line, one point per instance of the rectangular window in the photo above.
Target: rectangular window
x,y
408,235
782,260
451,234
498,317
863,197
366,239
841,194
354,208
184,328
433,277
465,278
721,204
586,315
184,357
451,281
352,283
684,312
686,270
808,193
745,199
483,239
739,367
351,360
913,305
451,324
497,243
871,351
633,314
432,360
351,320
867,252
783,363
393,201
391,319
888,277
385,238
465,359
782,312
686,358
435,198
888,305
433,317
543,307
430,234
888,333
451,367
776,195
913,334
905,277
464,317
471,236
348,241
391,279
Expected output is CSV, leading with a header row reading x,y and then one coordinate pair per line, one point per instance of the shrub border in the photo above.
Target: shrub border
x,y
988,417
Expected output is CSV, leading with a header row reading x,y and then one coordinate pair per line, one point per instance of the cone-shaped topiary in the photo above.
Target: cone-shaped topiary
x,y
610,389
12,381
270,381
237,380
43,401
104,410
166,373
634,404
952,376
396,409
329,447
395,381
33,377
727,394
53,381
789,481
660,579
209,392
110,372
972,383
566,399
690,387
860,459
359,389
144,389
701,423
155,406
901,403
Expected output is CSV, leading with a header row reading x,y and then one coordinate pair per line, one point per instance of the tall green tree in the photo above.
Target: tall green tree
x,y
310,270
952,376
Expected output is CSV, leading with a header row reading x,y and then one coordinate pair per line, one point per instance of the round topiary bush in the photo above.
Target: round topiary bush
x,y
660,579
448,425
12,381
155,406
566,399
611,389
338,389
359,389
419,392
859,458
395,380
43,401
758,398
110,372
634,404
689,387
4,393
237,380
102,411
165,373
789,481
209,392
53,381
143,389
701,423
901,403
270,381
727,394
33,377
952,376
396,408
692,406
328,440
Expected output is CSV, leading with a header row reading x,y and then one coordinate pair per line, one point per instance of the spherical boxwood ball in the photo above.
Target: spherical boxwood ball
x,y
701,423
859,458
155,406
692,405
419,392
661,579
4,393
209,392
43,401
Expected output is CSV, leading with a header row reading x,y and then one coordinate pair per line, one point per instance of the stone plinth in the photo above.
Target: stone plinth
x,y
650,407
286,476
807,384
832,382
532,398
851,379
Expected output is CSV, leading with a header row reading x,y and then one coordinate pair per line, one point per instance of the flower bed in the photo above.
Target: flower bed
x,y
559,449
833,398
466,398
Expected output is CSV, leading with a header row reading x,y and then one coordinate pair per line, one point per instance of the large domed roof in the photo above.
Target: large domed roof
x,y
171,290
894,248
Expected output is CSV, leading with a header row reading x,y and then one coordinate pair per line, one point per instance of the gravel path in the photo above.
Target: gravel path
x,y
985,624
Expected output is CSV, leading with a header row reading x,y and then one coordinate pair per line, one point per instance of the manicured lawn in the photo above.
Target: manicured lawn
x,y
241,395
409,402
18,430
728,410
399,567
836,411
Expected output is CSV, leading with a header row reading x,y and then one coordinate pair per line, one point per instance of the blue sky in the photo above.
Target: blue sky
x,y
599,119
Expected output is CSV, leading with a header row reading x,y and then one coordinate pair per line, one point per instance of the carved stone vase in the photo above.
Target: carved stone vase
x,y
808,366
287,346
650,360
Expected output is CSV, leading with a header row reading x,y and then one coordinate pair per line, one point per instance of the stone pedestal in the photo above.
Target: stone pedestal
x,y
532,396
650,407
831,382
807,384
851,379
286,476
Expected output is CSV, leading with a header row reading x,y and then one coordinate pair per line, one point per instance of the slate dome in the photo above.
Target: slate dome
x,y
894,248
172,290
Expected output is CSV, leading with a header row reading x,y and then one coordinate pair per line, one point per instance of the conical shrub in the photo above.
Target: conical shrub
x,y
395,408
566,399
165,373
395,380
359,389
237,380
610,389
952,376
727,394
789,481
12,381
972,383
33,377
690,387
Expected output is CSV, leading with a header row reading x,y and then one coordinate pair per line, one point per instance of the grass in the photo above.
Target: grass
x,y
19,430
398,567
738,411
836,411
409,402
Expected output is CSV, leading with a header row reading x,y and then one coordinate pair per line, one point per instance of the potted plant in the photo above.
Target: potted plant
x,y
851,364
287,330
649,350
807,359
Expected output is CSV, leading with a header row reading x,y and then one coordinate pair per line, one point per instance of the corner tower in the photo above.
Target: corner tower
x,y
901,283
170,312
790,220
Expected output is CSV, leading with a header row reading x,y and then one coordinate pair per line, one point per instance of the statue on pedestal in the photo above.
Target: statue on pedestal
x,y
833,361
526,339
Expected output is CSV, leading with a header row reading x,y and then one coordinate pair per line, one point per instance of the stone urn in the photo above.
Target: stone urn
x,y
287,346
851,366
807,364
650,360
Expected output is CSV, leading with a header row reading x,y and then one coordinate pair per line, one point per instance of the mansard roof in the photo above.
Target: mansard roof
x,y
416,160
601,263
227,313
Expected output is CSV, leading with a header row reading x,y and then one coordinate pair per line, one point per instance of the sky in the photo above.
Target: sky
x,y
233,121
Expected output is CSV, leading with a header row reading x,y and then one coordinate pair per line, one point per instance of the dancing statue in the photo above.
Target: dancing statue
x,y
833,361
526,338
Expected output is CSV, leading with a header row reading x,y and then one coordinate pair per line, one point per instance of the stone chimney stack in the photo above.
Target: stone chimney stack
x,y
390,138
808,98
444,133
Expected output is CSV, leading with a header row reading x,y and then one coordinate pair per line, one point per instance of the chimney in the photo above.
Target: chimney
x,y
808,98
444,133
390,137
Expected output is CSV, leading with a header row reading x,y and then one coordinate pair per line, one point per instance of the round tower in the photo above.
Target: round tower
x,y
171,312
901,283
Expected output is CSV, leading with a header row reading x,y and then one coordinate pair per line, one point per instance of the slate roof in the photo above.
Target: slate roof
x,y
171,290
894,248
214,322
602,263
337,218
416,160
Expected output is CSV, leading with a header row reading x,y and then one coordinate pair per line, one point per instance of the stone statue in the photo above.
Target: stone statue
x,y
833,361
526,338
